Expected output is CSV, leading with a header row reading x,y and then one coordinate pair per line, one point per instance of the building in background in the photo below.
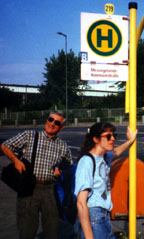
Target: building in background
x,y
94,88
99,89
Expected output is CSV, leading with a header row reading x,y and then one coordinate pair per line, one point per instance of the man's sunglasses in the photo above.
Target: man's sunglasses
x,y
108,136
57,122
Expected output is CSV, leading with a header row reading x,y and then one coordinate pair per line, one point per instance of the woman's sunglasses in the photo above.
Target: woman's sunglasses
x,y
57,122
108,136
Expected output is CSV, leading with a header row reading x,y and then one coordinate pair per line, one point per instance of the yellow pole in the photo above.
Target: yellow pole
x,y
140,29
139,32
132,119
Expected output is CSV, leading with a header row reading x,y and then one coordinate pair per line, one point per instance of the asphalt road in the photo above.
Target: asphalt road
x,y
74,136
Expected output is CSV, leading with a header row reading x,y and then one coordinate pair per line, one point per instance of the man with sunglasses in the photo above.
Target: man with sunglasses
x,y
50,152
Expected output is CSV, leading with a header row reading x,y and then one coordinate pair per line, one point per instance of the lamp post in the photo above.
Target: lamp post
x,y
60,33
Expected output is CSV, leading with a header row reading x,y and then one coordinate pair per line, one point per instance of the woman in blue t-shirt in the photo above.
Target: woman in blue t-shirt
x,y
93,192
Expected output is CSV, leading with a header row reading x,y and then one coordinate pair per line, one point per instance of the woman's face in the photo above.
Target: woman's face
x,y
107,140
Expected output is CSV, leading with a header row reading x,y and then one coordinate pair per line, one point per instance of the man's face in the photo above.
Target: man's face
x,y
53,125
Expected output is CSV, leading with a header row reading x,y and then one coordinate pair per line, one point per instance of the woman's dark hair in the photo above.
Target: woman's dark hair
x,y
95,131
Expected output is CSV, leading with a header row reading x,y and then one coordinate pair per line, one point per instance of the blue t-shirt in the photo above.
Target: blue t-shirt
x,y
99,185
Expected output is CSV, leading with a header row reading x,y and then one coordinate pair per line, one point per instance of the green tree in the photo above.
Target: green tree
x,y
140,75
53,92
114,101
9,99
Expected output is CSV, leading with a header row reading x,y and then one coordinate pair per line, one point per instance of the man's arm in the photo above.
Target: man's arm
x,y
69,156
17,163
131,136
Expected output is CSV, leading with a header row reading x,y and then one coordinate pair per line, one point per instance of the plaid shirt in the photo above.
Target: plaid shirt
x,y
49,152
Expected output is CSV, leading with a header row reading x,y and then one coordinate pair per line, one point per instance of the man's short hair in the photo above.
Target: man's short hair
x,y
60,113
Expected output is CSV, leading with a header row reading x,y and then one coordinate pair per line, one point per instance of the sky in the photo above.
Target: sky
x,y
28,33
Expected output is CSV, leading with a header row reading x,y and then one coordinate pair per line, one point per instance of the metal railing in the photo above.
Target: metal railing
x,y
75,116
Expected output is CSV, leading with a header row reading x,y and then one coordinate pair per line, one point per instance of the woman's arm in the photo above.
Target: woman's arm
x,y
131,136
83,214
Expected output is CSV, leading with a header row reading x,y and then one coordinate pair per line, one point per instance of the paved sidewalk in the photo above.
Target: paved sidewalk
x,y
8,229
7,208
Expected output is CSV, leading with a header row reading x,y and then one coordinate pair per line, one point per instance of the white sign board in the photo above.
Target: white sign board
x,y
104,72
104,39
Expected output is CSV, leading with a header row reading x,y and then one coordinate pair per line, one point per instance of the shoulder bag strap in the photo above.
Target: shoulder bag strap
x,y
34,151
94,163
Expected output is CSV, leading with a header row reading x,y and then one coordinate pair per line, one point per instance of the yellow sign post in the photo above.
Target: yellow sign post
x,y
140,29
130,107
139,32
132,118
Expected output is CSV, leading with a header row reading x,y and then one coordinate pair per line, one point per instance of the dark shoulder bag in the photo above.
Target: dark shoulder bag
x,y
23,183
